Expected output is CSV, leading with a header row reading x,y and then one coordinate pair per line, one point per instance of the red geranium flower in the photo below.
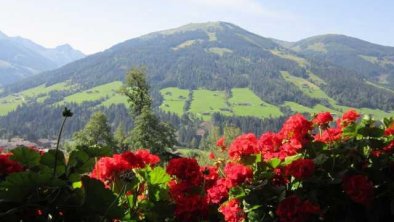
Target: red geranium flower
x,y
272,145
359,188
293,209
300,169
322,118
191,208
107,168
178,189
329,135
348,117
389,147
211,156
232,211
146,157
8,166
185,169
218,191
210,174
390,130
243,145
237,173
296,128
221,143
132,160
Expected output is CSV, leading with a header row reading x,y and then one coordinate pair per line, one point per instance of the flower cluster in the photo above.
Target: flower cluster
x,y
186,189
323,169
301,159
243,145
232,211
237,173
301,169
293,209
8,166
108,168
359,188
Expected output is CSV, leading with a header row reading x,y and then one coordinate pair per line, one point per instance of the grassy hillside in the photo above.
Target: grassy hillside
x,y
245,103
38,94
101,92
205,102
174,99
241,102
106,92
315,91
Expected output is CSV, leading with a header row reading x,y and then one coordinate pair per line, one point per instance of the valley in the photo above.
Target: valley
x,y
211,68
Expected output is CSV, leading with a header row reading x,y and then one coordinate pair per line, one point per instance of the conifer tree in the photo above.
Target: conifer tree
x,y
148,132
96,132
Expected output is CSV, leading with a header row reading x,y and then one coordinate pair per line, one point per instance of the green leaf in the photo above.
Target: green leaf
x,y
350,131
77,157
159,176
370,131
251,159
77,184
48,159
82,159
290,159
274,162
237,192
387,121
99,200
27,157
18,186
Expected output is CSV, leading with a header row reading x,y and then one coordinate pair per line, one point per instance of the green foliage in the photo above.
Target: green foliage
x,y
98,201
35,189
150,132
27,157
132,186
120,136
136,89
96,132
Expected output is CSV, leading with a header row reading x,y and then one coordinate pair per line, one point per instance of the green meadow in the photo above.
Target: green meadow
x,y
174,99
245,103
39,94
101,92
206,102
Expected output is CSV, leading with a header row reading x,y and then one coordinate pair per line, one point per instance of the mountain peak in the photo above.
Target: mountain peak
x,y
205,26
64,47
218,25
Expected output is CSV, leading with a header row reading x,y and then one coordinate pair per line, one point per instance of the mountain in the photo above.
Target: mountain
x,y
203,69
373,62
21,58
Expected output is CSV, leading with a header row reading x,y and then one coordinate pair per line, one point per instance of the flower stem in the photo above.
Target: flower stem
x,y
57,146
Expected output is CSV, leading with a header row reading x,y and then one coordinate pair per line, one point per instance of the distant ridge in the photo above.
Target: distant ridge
x,y
21,58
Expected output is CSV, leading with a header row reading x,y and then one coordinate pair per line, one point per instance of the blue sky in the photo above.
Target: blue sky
x,y
95,25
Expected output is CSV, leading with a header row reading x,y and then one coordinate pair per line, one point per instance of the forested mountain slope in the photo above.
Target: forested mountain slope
x,y
371,61
209,68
